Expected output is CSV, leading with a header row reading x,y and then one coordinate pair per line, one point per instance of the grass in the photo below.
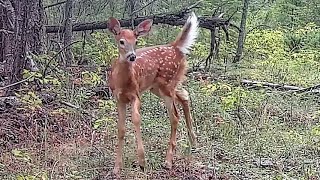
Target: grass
x,y
242,132
263,135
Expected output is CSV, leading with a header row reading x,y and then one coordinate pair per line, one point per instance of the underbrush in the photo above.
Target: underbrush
x,y
284,57
68,129
241,133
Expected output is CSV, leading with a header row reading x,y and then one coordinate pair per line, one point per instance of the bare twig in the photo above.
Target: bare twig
x,y
257,27
55,4
16,83
6,31
61,50
75,107
195,5
141,8
69,104
233,14
268,84
220,16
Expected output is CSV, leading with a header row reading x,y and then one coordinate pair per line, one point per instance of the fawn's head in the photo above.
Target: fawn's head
x,y
127,38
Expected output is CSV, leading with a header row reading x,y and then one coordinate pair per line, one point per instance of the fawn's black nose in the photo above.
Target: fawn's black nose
x,y
132,57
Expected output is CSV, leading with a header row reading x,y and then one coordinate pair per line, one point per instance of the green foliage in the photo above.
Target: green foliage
x,y
233,98
292,13
265,44
271,59
283,13
91,78
103,121
21,155
38,176
60,111
100,123
200,52
304,38
99,49
230,97
51,80
33,76
30,100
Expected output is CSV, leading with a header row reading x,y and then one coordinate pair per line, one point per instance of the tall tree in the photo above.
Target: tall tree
x,y
21,35
242,31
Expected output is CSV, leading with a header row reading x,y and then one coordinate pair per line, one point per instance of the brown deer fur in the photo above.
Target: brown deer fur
x,y
160,69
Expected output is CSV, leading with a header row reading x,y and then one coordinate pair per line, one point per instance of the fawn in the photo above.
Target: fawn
x,y
160,69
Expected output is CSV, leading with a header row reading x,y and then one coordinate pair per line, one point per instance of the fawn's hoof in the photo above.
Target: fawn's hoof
x,y
142,168
116,171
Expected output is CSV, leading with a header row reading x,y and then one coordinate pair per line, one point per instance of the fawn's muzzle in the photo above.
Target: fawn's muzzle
x,y
132,57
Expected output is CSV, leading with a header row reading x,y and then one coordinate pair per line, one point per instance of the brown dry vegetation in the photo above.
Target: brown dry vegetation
x,y
263,135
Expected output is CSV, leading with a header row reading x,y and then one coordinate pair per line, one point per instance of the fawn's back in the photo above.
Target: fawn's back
x,y
159,65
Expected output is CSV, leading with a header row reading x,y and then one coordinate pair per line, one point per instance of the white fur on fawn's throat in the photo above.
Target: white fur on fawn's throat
x,y
191,36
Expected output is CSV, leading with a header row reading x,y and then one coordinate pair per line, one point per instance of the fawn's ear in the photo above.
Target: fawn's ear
x,y
143,28
114,26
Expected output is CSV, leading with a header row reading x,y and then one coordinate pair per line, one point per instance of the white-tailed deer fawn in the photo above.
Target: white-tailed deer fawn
x,y
160,69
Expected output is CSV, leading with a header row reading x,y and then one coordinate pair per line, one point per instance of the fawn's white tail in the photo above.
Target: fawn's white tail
x,y
188,34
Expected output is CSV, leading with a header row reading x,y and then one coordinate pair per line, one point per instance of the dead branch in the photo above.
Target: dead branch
x,y
70,105
169,19
268,84
175,19
6,31
309,89
55,4
76,107
16,83
296,89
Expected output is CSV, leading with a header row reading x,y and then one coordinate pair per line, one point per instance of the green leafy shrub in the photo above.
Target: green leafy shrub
x,y
99,49
270,58
265,44
304,38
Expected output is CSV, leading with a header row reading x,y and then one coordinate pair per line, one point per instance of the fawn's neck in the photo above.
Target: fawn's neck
x,y
125,74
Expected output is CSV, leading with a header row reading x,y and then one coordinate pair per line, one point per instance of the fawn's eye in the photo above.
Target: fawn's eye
x,y
121,42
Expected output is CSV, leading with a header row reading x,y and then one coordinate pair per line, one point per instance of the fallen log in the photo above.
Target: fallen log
x,y
169,19
175,19
257,84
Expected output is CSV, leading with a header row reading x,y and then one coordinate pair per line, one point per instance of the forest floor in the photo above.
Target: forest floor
x,y
242,133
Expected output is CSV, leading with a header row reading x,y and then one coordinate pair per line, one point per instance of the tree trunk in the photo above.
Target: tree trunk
x,y
242,31
212,49
7,26
21,33
67,39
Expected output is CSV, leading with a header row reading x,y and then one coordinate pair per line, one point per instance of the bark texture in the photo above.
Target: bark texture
x,y
242,31
21,36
